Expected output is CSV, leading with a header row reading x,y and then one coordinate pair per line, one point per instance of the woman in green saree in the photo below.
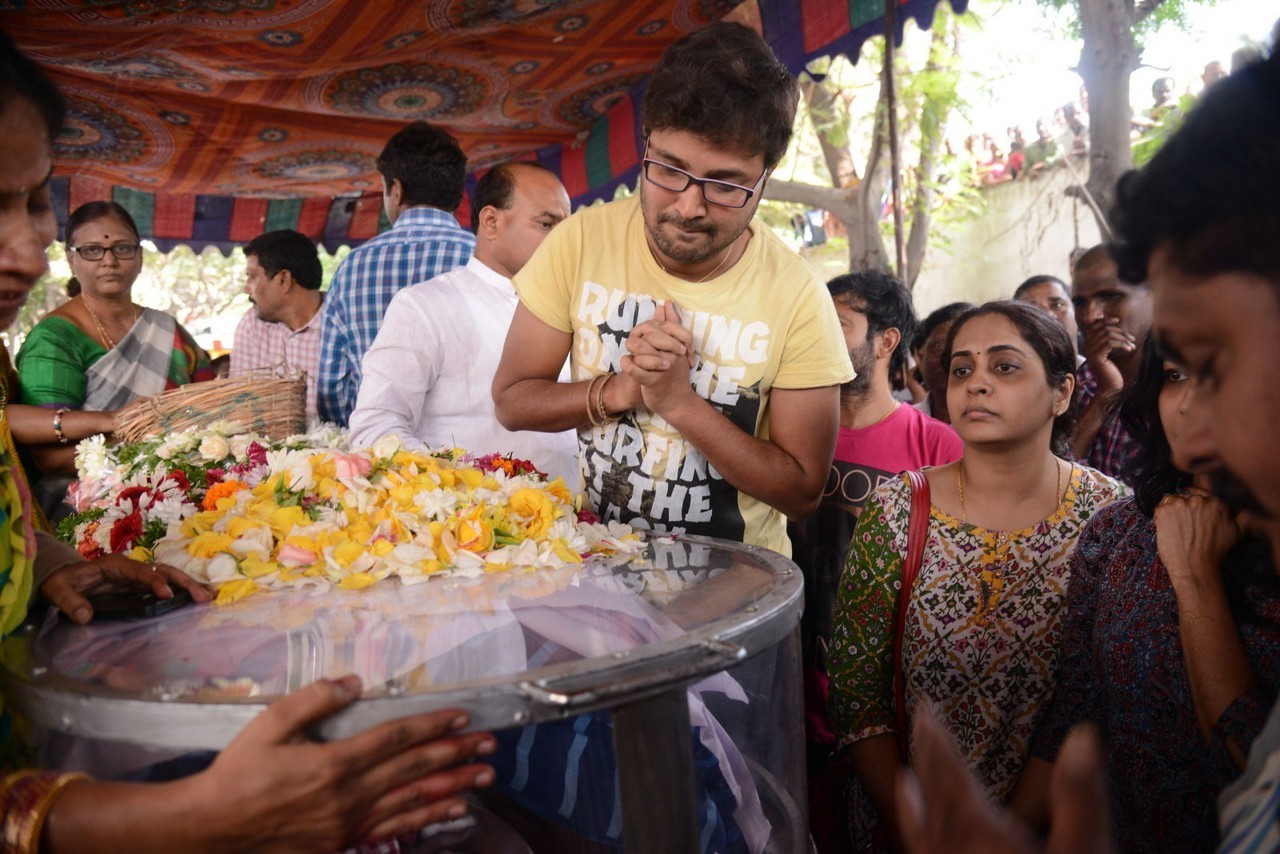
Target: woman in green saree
x,y
100,350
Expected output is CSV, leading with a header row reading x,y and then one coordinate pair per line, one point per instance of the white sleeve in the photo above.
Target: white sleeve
x,y
398,371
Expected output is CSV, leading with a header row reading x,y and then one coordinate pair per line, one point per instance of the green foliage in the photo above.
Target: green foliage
x,y
284,496
192,287
67,527
1169,13
1156,14
153,531
1154,138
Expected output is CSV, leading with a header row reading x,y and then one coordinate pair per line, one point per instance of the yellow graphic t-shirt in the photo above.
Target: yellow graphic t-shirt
x,y
767,322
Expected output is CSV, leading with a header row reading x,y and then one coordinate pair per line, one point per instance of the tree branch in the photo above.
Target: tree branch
x,y
798,192
830,120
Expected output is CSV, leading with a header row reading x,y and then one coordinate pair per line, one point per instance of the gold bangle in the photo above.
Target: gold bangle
x,y
591,387
605,417
57,426
32,794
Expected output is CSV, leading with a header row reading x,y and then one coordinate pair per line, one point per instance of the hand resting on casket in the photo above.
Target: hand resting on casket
x,y
67,587
273,789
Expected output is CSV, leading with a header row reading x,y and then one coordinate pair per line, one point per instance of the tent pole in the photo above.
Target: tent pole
x,y
895,153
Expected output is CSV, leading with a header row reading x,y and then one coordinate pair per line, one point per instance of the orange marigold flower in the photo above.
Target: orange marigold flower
x,y
226,489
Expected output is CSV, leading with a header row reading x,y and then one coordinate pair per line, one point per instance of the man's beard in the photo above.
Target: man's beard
x,y
1235,494
681,252
864,365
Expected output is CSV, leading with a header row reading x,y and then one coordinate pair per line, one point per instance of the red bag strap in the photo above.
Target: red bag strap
x,y
917,533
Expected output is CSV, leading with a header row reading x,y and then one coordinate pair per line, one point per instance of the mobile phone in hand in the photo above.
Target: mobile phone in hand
x,y
136,604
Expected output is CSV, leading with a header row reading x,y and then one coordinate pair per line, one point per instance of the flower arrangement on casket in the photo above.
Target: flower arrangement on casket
x,y
247,514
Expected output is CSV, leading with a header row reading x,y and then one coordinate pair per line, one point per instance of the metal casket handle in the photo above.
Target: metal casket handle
x,y
648,675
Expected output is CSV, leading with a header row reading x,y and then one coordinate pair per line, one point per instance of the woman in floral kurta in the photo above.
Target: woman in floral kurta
x,y
983,623
984,659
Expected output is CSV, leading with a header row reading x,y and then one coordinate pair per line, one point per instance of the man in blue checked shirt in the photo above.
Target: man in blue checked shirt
x,y
423,178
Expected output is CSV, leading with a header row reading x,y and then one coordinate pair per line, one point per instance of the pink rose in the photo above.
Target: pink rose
x,y
291,556
351,465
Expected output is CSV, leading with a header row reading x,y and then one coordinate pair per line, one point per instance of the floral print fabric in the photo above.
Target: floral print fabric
x,y
981,638
1122,667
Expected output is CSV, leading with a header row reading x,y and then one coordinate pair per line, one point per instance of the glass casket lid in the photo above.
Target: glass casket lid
x,y
510,647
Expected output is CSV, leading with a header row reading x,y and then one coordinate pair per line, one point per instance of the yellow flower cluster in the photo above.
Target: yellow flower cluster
x,y
353,519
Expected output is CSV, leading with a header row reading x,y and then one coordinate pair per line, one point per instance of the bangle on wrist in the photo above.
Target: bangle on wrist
x,y
591,412
57,426
601,410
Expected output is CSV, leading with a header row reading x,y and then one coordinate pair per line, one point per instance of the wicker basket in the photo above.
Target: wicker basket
x,y
272,403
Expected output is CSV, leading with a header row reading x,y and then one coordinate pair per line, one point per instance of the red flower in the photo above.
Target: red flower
x,y
179,477
508,464
131,496
125,532
213,477
585,515
525,467
257,454
88,546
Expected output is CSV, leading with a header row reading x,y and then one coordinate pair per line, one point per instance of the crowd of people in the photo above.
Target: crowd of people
x,y
1074,524
995,158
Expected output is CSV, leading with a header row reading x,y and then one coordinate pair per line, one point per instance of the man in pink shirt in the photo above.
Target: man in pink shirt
x,y
879,438
282,330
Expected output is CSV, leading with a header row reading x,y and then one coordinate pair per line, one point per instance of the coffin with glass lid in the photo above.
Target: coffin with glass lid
x,y
642,703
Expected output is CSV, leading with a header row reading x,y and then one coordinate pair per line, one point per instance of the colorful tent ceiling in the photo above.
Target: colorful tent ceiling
x,y
214,120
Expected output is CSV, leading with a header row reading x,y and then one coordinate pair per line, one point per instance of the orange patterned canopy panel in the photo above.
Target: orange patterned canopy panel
x,y
176,103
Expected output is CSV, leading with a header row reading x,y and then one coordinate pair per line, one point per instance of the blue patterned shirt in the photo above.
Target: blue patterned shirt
x,y
423,243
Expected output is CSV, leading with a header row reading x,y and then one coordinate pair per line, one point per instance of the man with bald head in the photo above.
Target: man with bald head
x,y
427,376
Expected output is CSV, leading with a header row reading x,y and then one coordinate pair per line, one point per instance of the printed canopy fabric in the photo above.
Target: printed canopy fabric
x,y
214,120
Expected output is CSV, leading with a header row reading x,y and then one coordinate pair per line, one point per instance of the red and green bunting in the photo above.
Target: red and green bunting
x,y
591,166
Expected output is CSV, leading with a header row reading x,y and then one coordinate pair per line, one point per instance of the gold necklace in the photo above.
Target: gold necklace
x,y
106,339
964,514
994,563
727,252
892,409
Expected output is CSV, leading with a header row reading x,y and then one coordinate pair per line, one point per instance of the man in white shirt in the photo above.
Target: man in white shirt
x,y
427,377
282,278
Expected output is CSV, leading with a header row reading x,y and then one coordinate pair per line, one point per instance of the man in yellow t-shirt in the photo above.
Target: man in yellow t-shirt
x,y
707,357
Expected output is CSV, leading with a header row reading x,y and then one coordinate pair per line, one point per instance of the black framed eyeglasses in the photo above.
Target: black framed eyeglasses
x,y
722,193
95,252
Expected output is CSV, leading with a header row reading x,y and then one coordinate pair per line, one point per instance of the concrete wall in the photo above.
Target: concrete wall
x,y
1030,226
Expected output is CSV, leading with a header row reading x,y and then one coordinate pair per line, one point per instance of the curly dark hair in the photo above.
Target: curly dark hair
x,y
428,163
1050,342
722,83
885,302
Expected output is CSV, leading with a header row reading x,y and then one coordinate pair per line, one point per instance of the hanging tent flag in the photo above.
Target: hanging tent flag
x,y
212,122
